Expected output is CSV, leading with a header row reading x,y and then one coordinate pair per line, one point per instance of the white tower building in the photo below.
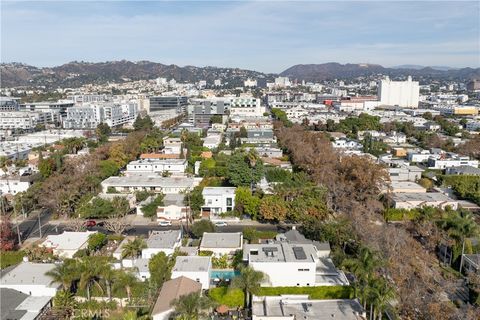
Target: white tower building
x,y
402,93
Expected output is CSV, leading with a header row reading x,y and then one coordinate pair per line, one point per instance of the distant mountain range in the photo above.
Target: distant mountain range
x,y
418,67
333,70
76,73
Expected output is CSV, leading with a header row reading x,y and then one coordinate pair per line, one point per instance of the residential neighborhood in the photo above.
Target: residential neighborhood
x,y
134,189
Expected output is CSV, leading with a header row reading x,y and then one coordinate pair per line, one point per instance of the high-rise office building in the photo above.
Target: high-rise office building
x,y
162,103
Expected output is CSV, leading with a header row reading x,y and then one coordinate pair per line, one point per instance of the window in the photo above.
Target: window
x,y
229,201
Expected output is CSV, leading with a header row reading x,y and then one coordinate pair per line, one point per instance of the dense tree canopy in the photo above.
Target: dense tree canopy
x,y
245,168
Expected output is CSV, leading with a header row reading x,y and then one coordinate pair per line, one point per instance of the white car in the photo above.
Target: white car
x,y
220,224
165,223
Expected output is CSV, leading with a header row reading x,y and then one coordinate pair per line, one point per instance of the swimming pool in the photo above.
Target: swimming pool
x,y
224,274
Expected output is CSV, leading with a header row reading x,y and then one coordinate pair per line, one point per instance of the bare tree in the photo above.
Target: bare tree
x,y
117,226
76,225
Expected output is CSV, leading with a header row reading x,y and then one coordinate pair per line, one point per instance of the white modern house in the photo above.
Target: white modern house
x,y
173,290
222,243
66,244
157,165
173,208
453,161
288,264
218,200
162,241
30,278
196,268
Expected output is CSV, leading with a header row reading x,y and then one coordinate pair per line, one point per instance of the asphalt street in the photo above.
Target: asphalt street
x,y
29,228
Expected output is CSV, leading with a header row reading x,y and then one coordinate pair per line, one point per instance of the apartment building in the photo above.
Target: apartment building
x,y
157,165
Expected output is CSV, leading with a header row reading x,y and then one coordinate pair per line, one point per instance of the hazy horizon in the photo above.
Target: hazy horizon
x,y
256,35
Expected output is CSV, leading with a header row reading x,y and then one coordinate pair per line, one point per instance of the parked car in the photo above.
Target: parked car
x,y
90,223
220,224
165,223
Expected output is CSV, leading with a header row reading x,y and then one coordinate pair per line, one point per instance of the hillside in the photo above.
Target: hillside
x,y
330,71
75,73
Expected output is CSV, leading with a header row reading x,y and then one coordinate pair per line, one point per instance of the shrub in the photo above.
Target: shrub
x,y
253,235
96,241
150,210
324,292
391,214
10,258
199,227
228,296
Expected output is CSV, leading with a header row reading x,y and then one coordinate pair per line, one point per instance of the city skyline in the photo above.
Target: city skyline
x,y
262,36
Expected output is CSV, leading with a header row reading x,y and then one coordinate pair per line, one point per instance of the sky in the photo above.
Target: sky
x,y
267,36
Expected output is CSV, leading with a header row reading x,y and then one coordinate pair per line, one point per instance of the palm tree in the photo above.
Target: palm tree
x,y
133,248
191,306
90,270
382,293
363,266
249,281
65,273
108,275
125,280
65,301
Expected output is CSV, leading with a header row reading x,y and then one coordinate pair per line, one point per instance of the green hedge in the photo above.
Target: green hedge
x,y
228,296
10,258
324,292
400,214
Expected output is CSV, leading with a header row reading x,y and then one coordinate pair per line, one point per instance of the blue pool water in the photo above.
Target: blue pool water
x,y
224,274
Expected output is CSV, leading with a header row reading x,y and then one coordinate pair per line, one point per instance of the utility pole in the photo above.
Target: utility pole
x,y
461,258
18,231
40,224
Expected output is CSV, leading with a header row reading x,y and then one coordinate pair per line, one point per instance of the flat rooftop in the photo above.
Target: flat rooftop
x,y
163,239
149,181
68,240
399,185
280,252
341,309
29,273
192,264
216,191
420,196
158,161
221,240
